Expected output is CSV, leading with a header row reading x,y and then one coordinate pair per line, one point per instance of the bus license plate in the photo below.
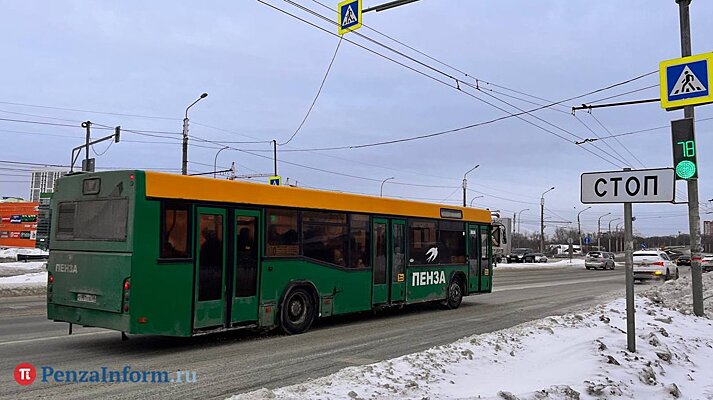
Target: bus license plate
x,y
87,298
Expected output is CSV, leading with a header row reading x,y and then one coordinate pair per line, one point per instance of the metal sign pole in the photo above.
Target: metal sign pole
x,y
629,267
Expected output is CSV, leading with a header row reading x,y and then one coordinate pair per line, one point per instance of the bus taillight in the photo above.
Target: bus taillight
x,y
127,286
51,279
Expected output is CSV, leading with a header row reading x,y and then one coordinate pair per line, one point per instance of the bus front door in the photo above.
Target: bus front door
x,y
380,261
209,268
246,266
398,260
486,259
473,258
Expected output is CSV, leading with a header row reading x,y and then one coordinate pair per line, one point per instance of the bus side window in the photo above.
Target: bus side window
x,y
282,236
175,231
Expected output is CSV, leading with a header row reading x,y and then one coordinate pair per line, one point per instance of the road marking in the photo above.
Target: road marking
x,y
542,285
43,339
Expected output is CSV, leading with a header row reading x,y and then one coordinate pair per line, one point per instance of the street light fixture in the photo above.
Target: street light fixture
x,y
381,191
579,227
184,165
519,221
542,219
610,221
476,197
215,160
465,183
599,231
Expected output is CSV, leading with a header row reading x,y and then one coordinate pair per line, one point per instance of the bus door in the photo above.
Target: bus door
x,y
209,267
380,261
473,257
246,266
398,260
486,257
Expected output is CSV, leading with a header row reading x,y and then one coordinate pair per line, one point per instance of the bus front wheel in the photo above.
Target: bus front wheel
x,y
454,295
298,312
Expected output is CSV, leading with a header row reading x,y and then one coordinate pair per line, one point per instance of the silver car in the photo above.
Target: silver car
x,y
599,259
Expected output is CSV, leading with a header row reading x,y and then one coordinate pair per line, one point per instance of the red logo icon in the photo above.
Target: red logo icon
x,y
25,374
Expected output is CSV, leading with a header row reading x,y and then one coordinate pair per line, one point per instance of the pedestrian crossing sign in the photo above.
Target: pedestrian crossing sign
x,y
686,81
275,180
349,16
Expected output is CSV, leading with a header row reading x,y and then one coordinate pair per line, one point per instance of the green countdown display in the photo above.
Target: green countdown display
x,y
684,149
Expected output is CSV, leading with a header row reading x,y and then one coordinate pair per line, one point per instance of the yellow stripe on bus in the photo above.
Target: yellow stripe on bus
x,y
172,186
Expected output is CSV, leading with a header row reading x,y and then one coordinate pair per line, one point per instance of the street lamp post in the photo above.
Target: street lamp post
x,y
381,191
476,197
215,160
184,164
542,219
618,235
579,227
599,231
465,183
519,222
610,221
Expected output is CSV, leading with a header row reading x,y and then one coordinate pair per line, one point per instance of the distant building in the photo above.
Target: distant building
x,y
43,182
708,227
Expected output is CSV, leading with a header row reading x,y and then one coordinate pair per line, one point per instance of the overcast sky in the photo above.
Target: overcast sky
x,y
262,69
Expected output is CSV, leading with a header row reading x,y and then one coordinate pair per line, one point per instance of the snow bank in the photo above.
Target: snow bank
x,y
19,268
575,356
576,263
23,285
677,295
12,252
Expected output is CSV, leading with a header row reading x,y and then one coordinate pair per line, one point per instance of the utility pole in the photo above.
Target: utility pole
x,y
579,228
274,156
694,217
542,219
465,184
184,163
599,231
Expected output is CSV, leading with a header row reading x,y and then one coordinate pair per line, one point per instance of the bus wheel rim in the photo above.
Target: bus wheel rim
x,y
455,291
297,309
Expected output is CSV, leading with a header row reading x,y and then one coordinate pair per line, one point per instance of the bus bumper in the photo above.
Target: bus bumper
x,y
87,317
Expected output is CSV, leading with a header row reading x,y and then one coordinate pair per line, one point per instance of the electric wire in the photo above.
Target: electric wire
x,y
319,91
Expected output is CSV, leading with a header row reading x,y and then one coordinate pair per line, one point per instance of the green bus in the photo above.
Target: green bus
x,y
143,252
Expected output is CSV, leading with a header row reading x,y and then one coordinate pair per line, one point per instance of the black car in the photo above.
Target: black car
x,y
518,255
683,260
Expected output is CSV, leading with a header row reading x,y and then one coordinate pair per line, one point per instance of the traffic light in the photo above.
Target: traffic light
x,y
684,149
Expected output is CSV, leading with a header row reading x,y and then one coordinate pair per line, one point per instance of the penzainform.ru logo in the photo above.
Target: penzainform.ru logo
x,y
25,374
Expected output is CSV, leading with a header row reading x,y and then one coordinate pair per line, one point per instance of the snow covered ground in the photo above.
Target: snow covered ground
x,y
574,356
22,278
11,253
19,268
561,263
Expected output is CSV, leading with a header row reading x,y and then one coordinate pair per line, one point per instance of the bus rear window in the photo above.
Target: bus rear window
x,y
104,219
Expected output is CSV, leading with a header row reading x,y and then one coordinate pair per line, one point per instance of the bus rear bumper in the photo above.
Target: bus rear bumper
x,y
88,317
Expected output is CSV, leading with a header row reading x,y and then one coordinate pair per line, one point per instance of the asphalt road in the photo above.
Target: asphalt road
x,y
237,362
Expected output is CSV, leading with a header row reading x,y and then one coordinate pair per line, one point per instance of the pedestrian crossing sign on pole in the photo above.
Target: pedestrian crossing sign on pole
x,y
349,16
275,180
686,81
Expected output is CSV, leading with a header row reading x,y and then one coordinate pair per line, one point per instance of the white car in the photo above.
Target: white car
x,y
707,263
654,264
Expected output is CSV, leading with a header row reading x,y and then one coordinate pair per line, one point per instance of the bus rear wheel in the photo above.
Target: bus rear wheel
x,y
454,294
298,312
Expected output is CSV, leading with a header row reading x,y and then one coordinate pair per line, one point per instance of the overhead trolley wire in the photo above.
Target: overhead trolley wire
x,y
319,91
